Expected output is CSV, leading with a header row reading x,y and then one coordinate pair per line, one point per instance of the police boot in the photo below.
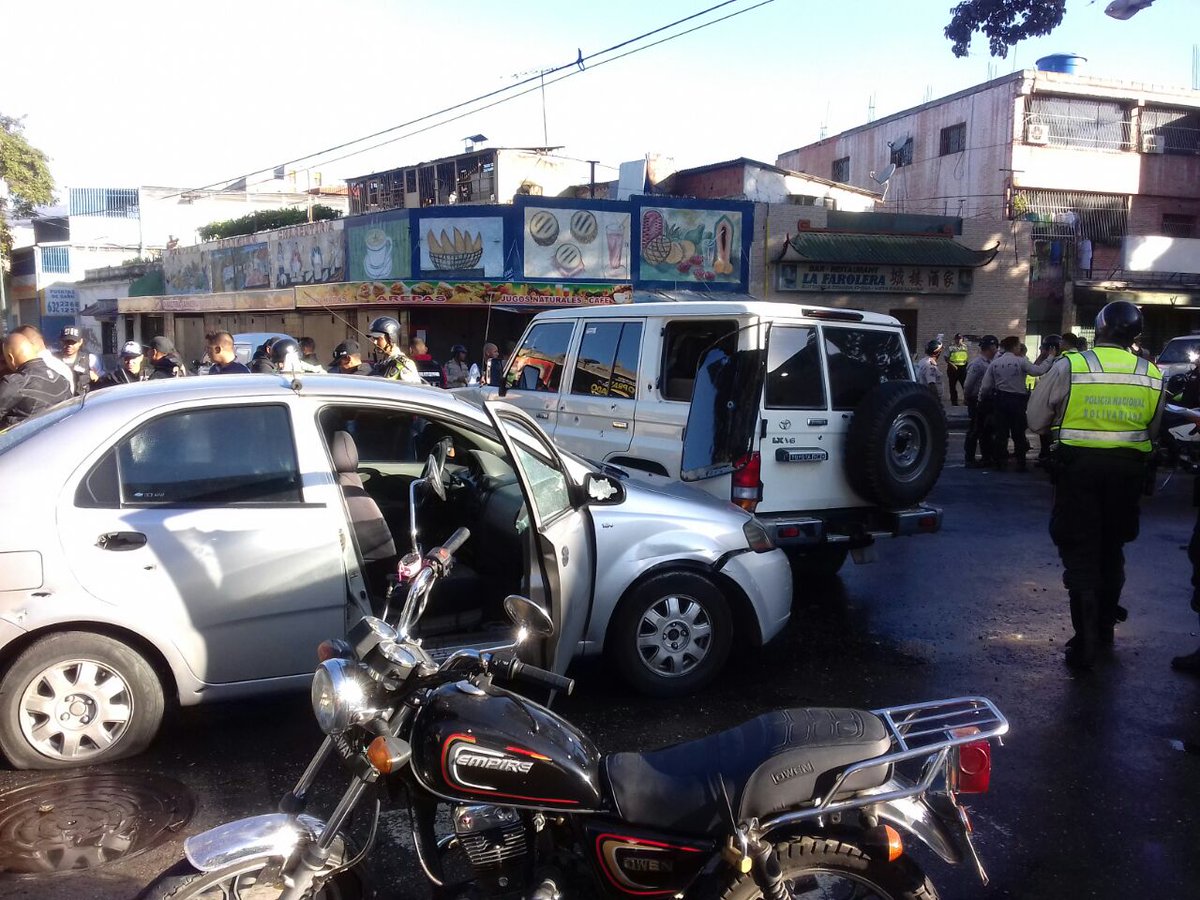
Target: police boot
x,y
1081,649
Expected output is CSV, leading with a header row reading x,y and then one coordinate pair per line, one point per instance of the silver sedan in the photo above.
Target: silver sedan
x,y
194,539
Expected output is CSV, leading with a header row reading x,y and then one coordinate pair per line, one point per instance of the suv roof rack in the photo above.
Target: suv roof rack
x,y
841,315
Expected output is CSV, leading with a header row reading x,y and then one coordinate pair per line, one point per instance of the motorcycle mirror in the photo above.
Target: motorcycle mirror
x,y
529,618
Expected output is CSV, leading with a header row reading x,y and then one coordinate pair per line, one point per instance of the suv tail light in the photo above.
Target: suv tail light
x,y
973,764
747,482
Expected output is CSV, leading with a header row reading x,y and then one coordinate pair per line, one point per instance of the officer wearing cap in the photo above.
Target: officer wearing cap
x,y
82,364
164,360
1004,385
133,367
979,432
1102,409
347,359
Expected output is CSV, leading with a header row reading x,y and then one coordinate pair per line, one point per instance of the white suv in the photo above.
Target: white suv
x,y
807,416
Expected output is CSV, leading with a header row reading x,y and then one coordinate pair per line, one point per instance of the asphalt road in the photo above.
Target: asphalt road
x,y
1093,794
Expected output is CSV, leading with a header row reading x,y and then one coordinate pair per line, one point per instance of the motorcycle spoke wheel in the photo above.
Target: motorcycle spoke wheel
x,y
834,886
241,881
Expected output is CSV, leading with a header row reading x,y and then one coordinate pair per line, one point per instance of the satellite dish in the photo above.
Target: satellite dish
x,y
882,177
1126,9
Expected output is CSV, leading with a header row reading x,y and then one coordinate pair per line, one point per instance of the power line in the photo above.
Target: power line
x,y
578,63
523,93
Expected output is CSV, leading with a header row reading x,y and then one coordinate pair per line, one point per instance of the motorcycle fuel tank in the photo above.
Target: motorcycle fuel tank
x,y
471,743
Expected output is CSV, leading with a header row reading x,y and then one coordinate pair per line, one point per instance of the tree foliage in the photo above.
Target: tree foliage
x,y
26,171
1003,22
265,220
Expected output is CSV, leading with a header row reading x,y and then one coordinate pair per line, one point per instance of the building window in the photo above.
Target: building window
x,y
902,154
1067,215
954,139
114,203
1170,130
410,181
1077,122
841,170
56,260
1178,226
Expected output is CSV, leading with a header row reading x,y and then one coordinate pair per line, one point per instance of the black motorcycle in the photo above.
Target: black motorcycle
x,y
807,802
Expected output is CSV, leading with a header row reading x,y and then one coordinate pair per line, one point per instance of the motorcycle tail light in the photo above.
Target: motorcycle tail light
x,y
747,482
973,764
883,842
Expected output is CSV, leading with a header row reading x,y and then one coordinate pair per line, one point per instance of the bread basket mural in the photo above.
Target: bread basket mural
x,y
463,244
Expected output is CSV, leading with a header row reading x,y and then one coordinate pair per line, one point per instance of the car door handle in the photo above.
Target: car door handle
x,y
815,423
121,540
621,425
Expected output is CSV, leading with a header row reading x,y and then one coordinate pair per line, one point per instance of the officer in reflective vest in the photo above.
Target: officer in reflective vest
x,y
1102,409
956,368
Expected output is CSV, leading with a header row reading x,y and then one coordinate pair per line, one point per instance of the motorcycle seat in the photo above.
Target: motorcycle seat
x,y
777,761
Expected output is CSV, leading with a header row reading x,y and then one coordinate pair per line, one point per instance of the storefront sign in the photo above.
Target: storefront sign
x,y
460,293
874,279
232,301
61,301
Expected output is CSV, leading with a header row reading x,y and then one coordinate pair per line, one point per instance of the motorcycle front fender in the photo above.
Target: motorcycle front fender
x,y
918,816
259,837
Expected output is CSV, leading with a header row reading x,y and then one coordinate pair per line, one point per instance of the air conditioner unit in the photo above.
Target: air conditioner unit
x,y
1154,143
1037,133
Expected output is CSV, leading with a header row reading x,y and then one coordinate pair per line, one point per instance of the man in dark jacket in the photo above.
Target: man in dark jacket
x,y
223,354
31,386
164,360
133,367
347,360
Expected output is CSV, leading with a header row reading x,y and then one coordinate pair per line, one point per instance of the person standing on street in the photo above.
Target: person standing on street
x,y
164,360
1004,383
390,360
1102,408
83,365
956,369
223,355
493,365
30,386
1050,342
43,352
429,368
928,372
347,360
457,369
979,412
308,352
133,367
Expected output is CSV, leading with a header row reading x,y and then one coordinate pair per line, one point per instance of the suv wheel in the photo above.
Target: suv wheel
x,y
896,444
76,699
671,634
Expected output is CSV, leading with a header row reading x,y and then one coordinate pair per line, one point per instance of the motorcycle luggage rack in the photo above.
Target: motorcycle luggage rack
x,y
918,730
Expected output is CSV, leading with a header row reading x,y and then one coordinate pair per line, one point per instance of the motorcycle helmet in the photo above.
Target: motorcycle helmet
x,y
1119,322
457,349
281,348
385,327
988,340
933,347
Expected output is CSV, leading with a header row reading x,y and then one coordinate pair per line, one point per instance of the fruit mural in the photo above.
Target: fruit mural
x,y
696,245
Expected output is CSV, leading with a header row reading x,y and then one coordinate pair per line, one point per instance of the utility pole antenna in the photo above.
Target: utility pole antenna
x,y
825,124
1196,67
871,108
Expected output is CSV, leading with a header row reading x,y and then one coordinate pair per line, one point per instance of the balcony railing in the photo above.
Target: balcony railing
x,y
1078,131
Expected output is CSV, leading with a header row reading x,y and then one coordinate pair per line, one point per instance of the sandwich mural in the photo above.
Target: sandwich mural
x,y
573,242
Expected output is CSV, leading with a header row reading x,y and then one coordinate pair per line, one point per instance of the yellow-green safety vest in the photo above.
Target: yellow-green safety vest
x,y
1111,401
957,356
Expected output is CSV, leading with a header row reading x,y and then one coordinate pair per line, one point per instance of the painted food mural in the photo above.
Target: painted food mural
x,y
467,244
576,243
378,247
700,244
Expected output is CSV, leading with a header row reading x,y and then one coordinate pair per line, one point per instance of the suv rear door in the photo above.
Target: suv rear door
x,y
598,403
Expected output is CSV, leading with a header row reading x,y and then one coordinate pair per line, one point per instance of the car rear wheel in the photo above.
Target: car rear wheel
x,y
671,634
74,699
896,444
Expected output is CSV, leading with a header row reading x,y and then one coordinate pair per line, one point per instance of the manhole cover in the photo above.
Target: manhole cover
x,y
66,824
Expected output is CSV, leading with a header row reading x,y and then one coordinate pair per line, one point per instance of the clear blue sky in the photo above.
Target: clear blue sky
x,y
136,92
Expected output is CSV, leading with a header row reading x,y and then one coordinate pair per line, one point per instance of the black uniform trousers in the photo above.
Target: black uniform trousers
x,y
979,431
1009,417
957,376
1096,497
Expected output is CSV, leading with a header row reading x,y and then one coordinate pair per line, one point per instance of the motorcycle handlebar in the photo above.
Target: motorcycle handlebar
x,y
455,541
520,671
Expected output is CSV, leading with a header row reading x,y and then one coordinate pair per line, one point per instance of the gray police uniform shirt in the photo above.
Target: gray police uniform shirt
x,y
975,371
1007,373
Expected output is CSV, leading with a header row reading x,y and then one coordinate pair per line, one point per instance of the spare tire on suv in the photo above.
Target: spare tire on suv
x,y
896,444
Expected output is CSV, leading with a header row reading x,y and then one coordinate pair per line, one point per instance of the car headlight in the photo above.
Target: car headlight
x,y
339,696
757,536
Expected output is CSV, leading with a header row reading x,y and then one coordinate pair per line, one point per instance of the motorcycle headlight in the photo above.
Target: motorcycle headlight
x,y
339,695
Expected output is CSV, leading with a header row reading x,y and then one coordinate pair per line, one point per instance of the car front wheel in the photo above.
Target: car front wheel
x,y
74,699
671,634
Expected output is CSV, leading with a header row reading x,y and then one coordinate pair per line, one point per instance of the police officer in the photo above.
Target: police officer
x,y
390,360
979,413
1102,408
1004,384
928,372
1049,342
956,369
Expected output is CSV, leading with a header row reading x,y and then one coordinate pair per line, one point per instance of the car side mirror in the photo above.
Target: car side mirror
x,y
603,490
502,388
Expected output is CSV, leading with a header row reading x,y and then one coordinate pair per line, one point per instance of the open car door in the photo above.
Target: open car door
x,y
563,556
723,414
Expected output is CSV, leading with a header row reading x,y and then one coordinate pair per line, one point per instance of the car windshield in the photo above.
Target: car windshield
x,y
23,431
1181,350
